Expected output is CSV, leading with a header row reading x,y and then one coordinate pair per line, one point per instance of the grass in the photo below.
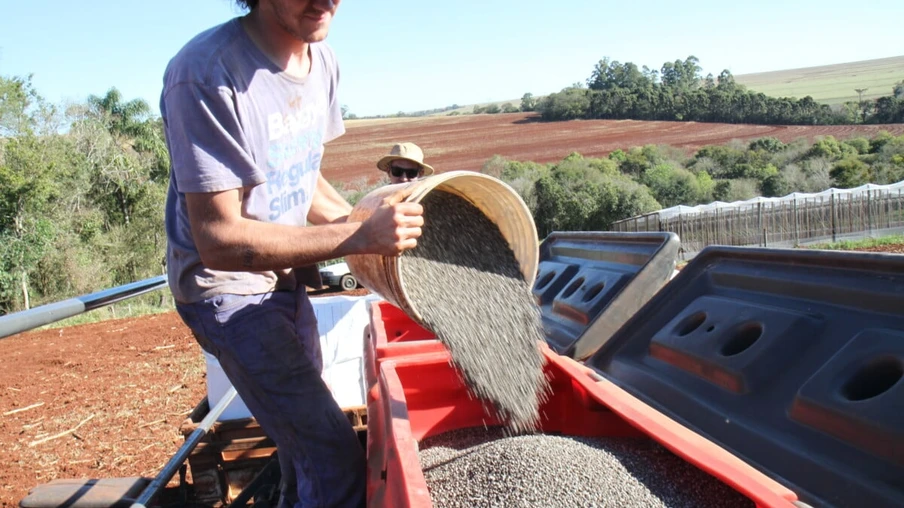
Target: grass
x,y
830,84
139,306
865,243
860,244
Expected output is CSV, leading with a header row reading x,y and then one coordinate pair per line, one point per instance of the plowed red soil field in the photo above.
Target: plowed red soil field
x,y
466,142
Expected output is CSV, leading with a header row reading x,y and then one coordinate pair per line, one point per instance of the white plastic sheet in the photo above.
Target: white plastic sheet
x,y
667,213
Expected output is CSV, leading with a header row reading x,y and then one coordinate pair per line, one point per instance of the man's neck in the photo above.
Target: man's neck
x,y
288,53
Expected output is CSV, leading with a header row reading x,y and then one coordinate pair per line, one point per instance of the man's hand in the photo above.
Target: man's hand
x,y
393,228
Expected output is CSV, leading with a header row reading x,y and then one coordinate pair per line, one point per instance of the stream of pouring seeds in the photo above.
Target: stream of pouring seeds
x,y
467,285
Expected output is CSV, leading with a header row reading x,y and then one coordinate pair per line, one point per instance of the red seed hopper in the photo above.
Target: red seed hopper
x,y
779,373
421,396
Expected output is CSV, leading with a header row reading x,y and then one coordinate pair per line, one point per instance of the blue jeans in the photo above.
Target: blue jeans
x,y
269,347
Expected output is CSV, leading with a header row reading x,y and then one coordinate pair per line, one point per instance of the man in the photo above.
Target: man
x,y
405,163
247,107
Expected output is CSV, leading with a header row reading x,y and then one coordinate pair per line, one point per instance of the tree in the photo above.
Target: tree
x,y
889,110
125,119
652,75
770,145
850,172
528,103
575,196
725,80
608,75
722,190
859,144
569,104
673,185
878,142
598,79
508,107
775,186
523,176
635,162
35,167
21,107
494,166
28,189
125,150
830,148
117,176
682,76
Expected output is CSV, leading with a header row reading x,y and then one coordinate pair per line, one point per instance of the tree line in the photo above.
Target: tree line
x,y
679,92
588,194
82,190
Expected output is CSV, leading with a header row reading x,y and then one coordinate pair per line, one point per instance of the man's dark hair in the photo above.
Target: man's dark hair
x,y
248,4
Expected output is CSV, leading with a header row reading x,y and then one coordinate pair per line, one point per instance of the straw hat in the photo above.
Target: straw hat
x,y
407,151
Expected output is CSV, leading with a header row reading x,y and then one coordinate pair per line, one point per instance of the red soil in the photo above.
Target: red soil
x,y
129,382
466,142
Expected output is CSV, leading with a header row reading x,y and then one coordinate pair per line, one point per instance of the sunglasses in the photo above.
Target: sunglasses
x,y
410,173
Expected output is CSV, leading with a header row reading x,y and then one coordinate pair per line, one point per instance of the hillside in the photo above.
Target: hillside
x,y
470,107
831,84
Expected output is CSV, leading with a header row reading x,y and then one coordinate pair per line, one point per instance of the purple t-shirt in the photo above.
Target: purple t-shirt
x,y
232,120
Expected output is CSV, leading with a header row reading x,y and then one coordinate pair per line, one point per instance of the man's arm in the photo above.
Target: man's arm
x,y
328,206
228,241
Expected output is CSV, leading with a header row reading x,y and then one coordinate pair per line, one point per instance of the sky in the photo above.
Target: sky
x,y
409,55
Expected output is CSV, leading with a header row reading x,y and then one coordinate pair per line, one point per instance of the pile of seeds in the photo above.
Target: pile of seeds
x,y
466,283
480,467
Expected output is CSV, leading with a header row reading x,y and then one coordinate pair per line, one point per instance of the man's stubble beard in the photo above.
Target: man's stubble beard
x,y
309,37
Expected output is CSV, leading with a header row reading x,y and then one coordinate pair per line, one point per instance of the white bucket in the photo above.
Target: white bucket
x,y
341,321
217,385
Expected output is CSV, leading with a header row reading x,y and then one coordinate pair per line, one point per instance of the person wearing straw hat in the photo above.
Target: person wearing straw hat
x,y
247,108
405,163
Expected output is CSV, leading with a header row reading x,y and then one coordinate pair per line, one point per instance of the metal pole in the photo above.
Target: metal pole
x,y
18,322
832,205
178,459
795,225
869,212
761,226
851,212
808,232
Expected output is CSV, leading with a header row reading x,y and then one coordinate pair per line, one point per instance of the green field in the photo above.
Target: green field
x,y
866,243
831,84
